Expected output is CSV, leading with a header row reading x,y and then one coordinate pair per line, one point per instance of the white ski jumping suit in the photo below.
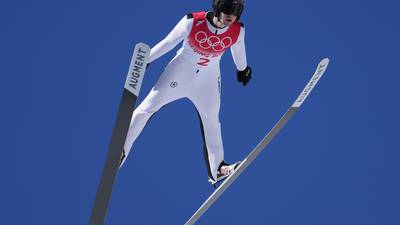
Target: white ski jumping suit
x,y
193,73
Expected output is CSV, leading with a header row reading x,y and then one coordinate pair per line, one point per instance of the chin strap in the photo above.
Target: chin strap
x,y
220,21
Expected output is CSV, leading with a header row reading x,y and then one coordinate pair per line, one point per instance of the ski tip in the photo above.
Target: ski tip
x,y
142,45
325,61
322,66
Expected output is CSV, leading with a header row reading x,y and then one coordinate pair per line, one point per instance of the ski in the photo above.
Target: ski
x,y
127,106
321,68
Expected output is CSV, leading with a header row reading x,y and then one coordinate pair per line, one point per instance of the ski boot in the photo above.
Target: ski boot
x,y
223,172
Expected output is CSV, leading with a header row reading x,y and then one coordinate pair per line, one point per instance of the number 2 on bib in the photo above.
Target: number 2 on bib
x,y
203,62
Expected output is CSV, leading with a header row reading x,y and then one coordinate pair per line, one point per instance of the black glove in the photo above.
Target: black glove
x,y
244,76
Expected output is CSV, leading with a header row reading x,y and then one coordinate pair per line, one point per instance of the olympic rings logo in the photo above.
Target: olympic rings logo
x,y
213,42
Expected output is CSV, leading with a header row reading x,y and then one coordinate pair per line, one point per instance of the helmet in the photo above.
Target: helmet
x,y
230,7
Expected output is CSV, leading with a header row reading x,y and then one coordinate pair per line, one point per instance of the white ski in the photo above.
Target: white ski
x,y
265,141
132,86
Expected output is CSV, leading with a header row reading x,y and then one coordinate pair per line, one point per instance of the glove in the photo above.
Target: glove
x,y
244,76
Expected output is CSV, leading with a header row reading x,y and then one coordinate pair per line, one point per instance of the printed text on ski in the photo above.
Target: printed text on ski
x,y
137,68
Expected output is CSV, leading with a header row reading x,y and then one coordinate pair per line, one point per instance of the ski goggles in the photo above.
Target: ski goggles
x,y
230,8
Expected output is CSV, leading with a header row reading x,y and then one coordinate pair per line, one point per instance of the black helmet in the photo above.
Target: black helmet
x,y
230,7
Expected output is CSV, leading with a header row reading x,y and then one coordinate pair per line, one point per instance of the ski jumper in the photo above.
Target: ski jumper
x,y
194,73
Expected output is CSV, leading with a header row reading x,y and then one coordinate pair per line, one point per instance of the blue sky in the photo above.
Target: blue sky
x,y
63,65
